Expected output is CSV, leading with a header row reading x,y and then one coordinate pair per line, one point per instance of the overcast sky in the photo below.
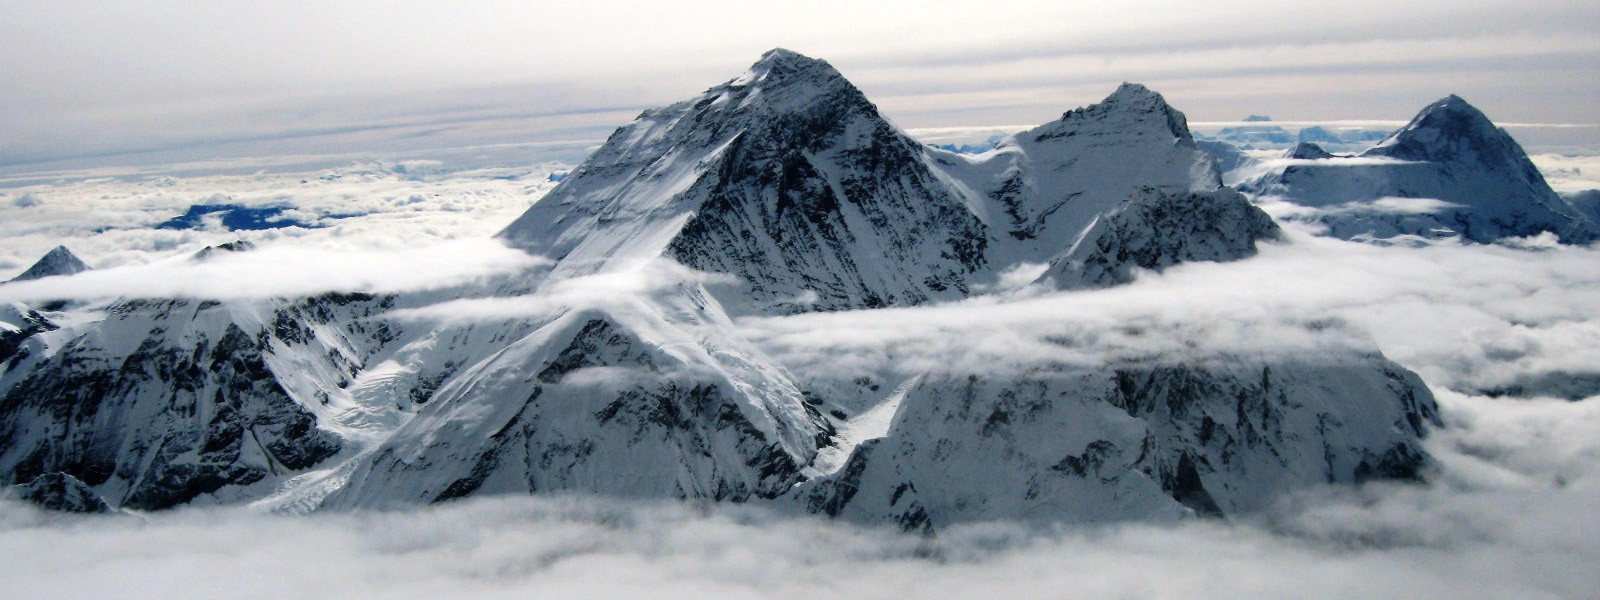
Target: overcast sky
x,y
88,78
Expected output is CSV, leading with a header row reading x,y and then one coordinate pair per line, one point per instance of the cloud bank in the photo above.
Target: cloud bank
x,y
1510,516
1475,317
285,271
109,217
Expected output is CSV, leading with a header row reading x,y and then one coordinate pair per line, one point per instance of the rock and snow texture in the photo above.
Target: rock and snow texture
x,y
1158,229
784,191
786,177
1138,442
58,261
614,401
1041,188
157,402
61,492
1450,172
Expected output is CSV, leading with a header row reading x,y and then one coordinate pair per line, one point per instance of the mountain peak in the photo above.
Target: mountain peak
x,y
1447,129
1454,108
786,56
1131,107
209,252
58,261
1133,92
781,67
1309,151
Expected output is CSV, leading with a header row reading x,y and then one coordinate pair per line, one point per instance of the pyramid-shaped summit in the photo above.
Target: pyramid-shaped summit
x,y
58,261
1132,106
1450,129
786,177
1473,180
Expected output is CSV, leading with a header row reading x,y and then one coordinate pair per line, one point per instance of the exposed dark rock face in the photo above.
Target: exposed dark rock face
x,y
593,403
63,493
164,402
1095,445
1156,230
786,177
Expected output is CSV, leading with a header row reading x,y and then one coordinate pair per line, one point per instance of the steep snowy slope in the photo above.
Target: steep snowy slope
x,y
1135,442
786,177
635,398
1450,172
158,403
1041,188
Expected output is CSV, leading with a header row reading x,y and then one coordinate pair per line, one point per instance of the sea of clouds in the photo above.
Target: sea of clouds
x,y
1508,515
1508,510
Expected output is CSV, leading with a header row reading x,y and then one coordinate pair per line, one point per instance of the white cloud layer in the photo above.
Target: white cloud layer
x,y
108,217
1465,317
285,271
1569,172
1510,517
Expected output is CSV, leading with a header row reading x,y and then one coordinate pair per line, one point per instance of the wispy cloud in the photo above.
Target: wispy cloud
x,y
1465,317
285,271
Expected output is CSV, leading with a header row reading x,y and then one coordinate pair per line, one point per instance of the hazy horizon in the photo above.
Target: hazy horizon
x,y
106,84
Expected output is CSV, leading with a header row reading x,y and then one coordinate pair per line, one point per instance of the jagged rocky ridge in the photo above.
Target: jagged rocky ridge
x,y
1449,172
787,180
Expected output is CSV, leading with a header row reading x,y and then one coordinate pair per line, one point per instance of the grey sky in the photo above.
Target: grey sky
x,y
224,77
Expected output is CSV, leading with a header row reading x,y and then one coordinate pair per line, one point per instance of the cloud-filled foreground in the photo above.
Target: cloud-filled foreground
x,y
1508,515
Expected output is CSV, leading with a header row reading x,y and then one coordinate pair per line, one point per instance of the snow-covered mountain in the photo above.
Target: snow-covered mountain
x,y
1134,442
787,178
1158,229
620,400
1040,189
616,370
1450,172
155,402
58,261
